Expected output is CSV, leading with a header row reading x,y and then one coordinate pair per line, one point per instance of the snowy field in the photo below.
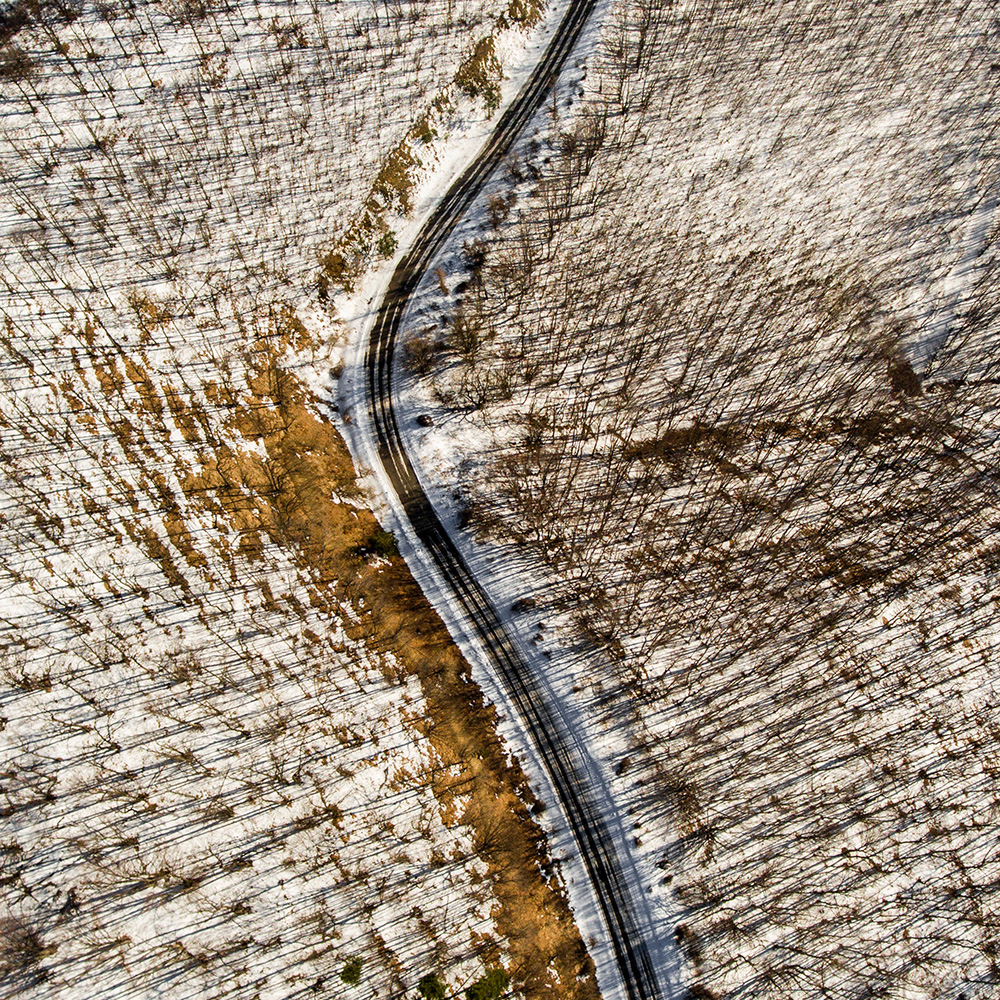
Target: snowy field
x,y
722,379
231,761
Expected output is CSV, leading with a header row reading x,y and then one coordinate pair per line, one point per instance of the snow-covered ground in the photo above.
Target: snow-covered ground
x,y
358,310
723,402
218,778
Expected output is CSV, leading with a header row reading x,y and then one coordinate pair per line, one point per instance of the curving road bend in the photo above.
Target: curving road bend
x,y
570,770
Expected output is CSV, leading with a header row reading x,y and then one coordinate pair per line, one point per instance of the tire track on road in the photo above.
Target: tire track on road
x,y
568,765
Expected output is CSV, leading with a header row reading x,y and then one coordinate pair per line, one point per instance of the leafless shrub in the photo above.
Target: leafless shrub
x,y
21,951
421,351
15,63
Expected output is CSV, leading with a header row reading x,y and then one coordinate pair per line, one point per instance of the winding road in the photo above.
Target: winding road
x,y
572,773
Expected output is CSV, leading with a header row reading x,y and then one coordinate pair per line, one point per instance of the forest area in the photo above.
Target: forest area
x,y
239,754
719,370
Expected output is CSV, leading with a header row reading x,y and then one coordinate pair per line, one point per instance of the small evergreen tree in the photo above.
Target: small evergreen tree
x,y
383,543
490,986
431,988
387,245
351,972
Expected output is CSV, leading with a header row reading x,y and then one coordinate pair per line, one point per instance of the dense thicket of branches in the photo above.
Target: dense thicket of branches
x,y
738,351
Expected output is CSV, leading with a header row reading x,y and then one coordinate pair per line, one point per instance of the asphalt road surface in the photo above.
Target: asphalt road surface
x,y
571,774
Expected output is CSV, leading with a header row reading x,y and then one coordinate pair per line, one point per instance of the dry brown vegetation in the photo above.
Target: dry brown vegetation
x,y
489,793
484,788
479,76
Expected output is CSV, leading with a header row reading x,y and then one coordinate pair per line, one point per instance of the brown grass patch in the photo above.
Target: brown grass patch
x,y
181,539
480,74
151,401
151,544
394,184
150,314
110,379
280,490
306,462
533,913
527,13
182,413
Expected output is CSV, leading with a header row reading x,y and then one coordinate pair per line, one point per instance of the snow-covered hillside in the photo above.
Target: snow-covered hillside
x,y
238,754
724,368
